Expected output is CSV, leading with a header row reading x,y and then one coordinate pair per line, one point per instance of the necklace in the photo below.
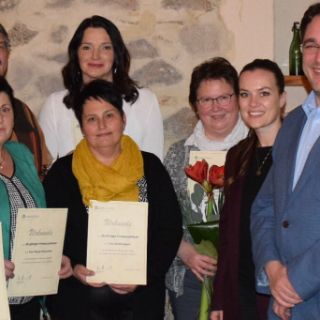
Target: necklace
x,y
259,169
2,161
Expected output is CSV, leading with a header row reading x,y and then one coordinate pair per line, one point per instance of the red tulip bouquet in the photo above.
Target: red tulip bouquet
x,y
207,198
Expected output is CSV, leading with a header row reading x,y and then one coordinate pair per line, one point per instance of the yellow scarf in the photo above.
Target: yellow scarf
x,y
104,183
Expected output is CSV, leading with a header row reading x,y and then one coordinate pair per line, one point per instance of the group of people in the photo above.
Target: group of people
x,y
104,135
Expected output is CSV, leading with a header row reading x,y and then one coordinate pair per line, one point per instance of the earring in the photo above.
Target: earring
x,y
115,70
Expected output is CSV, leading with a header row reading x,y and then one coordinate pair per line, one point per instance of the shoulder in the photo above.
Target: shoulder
x,y
19,150
240,146
149,159
296,113
58,94
292,123
146,96
177,147
61,171
177,158
56,97
146,93
63,164
53,106
152,164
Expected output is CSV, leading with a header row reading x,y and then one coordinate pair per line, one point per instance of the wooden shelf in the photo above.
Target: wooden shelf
x,y
297,81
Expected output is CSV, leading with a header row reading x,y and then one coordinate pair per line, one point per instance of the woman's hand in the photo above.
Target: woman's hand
x,y
65,269
9,268
216,315
199,264
123,288
81,273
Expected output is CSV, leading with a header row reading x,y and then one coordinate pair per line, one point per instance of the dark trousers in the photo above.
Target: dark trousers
x,y
186,306
26,311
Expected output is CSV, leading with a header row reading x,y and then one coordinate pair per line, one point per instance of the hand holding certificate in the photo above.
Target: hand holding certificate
x,y
4,306
37,251
117,242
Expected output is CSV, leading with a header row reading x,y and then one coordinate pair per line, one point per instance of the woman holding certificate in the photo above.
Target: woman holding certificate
x,y
213,96
108,166
20,187
262,100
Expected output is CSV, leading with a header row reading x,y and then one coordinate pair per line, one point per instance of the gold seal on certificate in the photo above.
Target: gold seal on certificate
x,y
4,306
117,242
37,251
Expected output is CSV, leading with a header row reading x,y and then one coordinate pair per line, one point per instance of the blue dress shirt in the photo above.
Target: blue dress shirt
x,y
309,136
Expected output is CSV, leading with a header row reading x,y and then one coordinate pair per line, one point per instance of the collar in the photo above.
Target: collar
x,y
310,106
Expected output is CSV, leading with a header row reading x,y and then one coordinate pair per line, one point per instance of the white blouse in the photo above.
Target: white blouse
x,y
62,131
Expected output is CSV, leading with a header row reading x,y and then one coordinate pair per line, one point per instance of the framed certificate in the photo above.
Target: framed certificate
x,y
117,242
37,251
4,306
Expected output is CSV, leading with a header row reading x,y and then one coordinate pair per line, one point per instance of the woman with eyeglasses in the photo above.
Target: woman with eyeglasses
x,y
262,100
213,97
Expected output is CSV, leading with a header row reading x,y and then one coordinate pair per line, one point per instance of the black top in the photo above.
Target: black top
x,y
256,174
164,236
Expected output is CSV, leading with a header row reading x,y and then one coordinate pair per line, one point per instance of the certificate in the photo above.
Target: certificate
x,y
212,157
4,306
117,242
37,251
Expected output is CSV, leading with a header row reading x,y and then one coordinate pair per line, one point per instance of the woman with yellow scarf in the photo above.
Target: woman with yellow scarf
x,y
107,165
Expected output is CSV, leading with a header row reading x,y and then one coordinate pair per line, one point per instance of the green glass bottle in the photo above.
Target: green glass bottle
x,y
295,55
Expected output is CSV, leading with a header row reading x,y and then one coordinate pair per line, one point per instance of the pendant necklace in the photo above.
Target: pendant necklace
x,y
2,160
260,167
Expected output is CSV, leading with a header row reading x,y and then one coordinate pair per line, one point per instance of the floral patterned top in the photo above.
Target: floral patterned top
x,y
175,161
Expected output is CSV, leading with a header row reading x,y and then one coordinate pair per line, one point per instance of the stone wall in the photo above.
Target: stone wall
x,y
166,38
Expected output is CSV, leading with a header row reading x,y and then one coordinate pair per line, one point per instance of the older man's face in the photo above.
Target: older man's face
x,y
4,56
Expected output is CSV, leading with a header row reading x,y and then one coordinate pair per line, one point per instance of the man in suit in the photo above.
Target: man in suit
x,y
285,221
26,127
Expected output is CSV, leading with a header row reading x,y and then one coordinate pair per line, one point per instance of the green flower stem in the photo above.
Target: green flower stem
x,y
206,296
210,208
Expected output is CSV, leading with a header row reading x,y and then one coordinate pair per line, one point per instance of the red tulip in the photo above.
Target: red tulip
x,y
216,176
198,172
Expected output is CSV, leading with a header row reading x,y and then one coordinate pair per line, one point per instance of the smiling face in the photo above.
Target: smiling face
x,y
260,102
96,55
311,59
102,126
6,118
4,56
218,121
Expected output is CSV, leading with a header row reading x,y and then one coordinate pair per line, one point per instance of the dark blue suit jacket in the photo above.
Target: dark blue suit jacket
x,y
285,223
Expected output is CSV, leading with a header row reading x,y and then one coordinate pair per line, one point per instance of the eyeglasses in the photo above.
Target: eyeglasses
x,y
310,47
222,100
